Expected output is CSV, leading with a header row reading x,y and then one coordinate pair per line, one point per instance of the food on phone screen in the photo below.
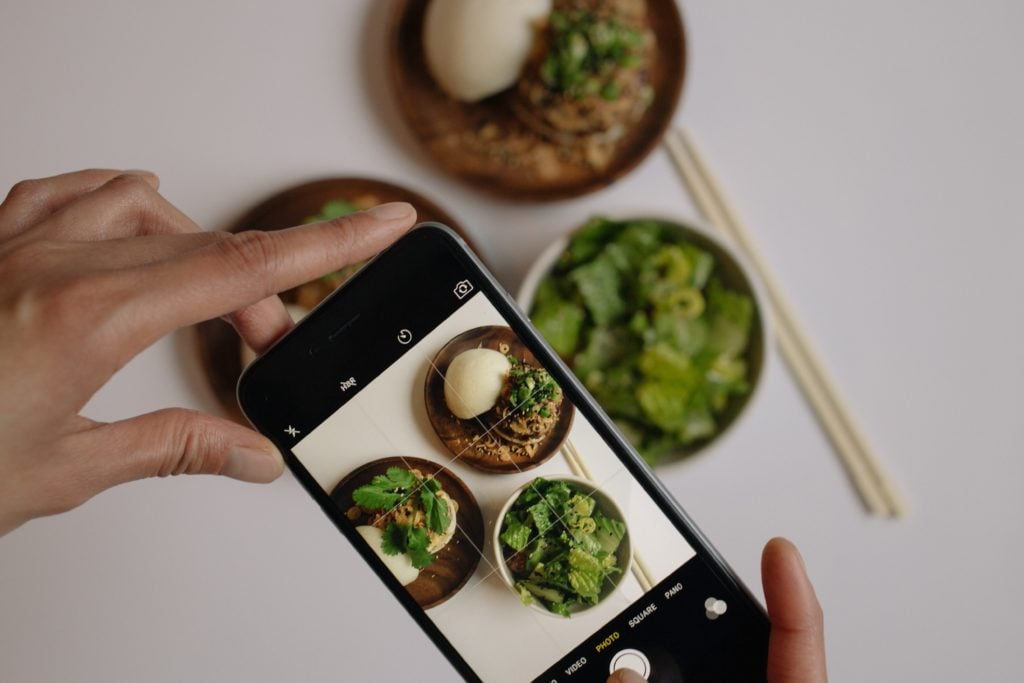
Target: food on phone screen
x,y
476,49
474,382
415,516
492,405
528,407
562,550
398,564
517,403
647,324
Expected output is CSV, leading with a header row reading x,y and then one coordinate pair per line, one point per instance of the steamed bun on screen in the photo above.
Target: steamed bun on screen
x,y
474,381
399,564
477,48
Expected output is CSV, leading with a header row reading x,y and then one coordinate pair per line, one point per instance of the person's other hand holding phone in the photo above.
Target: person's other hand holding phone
x,y
796,649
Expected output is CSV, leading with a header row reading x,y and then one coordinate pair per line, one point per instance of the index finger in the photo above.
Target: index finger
x,y
247,267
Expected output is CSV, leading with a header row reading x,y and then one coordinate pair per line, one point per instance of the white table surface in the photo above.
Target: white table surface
x,y
874,147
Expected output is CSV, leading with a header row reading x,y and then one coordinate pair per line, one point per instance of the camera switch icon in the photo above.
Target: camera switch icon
x,y
462,289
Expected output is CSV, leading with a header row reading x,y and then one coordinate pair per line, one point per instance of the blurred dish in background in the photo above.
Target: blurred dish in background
x,y
537,99
659,322
221,352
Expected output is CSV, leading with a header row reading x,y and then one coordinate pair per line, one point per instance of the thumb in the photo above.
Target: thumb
x,y
796,650
176,441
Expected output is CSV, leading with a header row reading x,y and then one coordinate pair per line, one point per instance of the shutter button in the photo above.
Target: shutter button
x,y
631,659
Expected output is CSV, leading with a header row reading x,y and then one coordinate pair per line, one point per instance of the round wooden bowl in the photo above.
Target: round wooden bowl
x,y
437,120
455,562
218,344
459,436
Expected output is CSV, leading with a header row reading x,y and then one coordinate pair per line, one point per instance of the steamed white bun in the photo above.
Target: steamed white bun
x,y
400,564
474,382
476,48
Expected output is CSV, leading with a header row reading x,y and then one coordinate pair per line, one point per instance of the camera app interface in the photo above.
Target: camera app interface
x,y
465,468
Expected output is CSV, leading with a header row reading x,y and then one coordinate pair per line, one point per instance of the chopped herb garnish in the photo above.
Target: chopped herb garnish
x,y
586,53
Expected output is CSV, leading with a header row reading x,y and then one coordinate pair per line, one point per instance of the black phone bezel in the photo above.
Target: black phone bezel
x,y
434,235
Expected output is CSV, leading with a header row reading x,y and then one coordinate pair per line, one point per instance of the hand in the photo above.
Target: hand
x,y
796,649
94,267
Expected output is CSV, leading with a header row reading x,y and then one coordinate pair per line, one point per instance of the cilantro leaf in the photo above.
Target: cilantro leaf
x,y
435,509
413,541
416,543
401,477
392,542
373,497
385,490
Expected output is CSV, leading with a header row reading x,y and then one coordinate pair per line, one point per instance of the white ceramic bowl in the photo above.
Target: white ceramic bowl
x,y
732,267
605,504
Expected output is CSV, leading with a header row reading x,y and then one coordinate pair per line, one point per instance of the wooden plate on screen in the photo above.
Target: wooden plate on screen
x,y
218,344
463,437
455,562
443,125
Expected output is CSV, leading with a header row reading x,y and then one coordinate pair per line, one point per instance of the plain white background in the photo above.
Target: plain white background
x,y
875,150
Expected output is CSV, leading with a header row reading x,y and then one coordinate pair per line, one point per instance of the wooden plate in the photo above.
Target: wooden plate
x,y
458,435
218,344
457,561
438,120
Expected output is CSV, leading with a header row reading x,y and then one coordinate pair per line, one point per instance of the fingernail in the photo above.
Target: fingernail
x,y
139,171
626,676
253,465
392,211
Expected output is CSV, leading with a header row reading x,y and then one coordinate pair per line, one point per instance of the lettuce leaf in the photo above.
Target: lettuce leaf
x,y
585,573
560,322
599,287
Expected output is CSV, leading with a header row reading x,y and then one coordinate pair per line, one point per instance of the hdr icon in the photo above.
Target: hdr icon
x,y
347,384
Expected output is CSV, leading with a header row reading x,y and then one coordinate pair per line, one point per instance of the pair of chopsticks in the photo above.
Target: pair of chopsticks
x,y
579,467
875,487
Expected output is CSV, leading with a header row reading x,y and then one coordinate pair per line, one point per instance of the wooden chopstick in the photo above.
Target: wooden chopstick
x,y
876,488
580,469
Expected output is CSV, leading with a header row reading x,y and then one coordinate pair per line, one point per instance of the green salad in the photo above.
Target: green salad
x,y
559,548
647,325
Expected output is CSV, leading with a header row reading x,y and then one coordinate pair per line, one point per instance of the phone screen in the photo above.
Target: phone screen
x,y
437,433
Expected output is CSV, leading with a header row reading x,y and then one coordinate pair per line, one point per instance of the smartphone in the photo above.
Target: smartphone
x,y
490,493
